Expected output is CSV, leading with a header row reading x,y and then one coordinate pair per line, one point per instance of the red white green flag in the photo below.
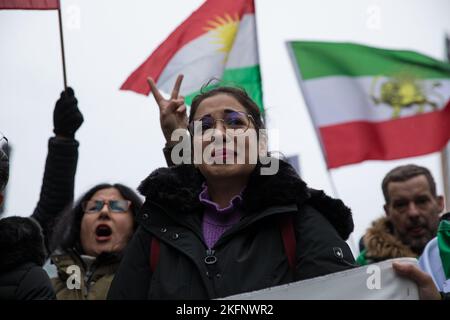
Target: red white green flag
x,y
218,40
370,103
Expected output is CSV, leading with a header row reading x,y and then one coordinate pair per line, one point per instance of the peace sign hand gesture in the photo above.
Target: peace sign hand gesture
x,y
172,111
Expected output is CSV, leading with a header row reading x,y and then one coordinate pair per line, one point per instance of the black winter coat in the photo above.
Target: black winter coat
x,y
58,183
250,255
26,282
22,255
20,279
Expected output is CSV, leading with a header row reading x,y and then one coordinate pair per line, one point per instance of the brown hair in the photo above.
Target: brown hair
x,y
404,173
67,230
239,94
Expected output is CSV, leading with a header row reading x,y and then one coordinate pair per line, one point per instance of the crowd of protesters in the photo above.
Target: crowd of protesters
x,y
207,229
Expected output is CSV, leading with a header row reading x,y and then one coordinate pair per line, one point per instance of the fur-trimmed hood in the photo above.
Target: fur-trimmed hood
x,y
381,244
177,189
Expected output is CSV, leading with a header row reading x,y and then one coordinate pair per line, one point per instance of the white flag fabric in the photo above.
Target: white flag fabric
x,y
372,282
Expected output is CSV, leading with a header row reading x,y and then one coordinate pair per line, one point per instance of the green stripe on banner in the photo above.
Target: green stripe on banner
x,y
322,59
248,78
443,236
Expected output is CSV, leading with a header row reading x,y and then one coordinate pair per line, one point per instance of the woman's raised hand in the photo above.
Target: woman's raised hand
x,y
172,111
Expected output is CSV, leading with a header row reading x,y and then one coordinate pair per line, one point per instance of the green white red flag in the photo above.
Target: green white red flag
x,y
371,103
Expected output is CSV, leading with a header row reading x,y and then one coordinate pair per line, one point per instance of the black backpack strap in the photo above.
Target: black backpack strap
x,y
154,253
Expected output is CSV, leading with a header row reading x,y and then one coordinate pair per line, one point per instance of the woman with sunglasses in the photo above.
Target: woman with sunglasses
x,y
218,227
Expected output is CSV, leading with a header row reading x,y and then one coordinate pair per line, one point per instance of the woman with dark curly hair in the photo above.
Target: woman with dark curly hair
x,y
92,236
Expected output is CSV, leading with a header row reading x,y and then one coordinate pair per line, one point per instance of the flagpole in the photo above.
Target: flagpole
x,y
351,239
62,45
319,138
333,185
445,151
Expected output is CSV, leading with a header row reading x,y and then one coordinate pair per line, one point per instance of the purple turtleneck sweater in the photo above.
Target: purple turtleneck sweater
x,y
215,220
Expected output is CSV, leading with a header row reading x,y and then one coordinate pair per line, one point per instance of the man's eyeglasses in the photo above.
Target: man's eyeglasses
x,y
235,121
95,206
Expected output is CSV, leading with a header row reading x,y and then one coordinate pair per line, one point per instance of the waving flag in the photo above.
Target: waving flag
x,y
29,4
40,5
217,41
370,103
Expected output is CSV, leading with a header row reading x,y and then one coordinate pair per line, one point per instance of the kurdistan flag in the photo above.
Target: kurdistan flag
x,y
217,41
370,103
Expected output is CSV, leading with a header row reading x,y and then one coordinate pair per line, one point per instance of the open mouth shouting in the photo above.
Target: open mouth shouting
x,y
103,233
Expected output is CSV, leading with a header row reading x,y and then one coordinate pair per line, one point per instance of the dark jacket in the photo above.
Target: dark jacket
x,y
57,188
22,279
26,282
22,255
250,255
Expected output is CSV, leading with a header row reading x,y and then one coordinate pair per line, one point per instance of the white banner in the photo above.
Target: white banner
x,y
373,282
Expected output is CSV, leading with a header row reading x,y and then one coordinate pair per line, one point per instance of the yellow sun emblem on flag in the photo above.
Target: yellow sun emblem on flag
x,y
224,31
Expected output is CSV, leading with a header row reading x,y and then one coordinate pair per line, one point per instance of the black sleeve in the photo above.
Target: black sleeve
x,y
132,279
58,183
35,285
320,249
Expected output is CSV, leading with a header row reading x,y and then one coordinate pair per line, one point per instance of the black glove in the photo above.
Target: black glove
x,y
67,118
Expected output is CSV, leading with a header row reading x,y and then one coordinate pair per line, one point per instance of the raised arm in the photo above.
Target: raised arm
x,y
57,188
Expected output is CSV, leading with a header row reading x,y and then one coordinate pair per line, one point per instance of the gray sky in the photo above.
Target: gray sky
x,y
121,141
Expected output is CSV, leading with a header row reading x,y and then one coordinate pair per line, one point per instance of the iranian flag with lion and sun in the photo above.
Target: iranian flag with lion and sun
x,y
372,103
217,41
